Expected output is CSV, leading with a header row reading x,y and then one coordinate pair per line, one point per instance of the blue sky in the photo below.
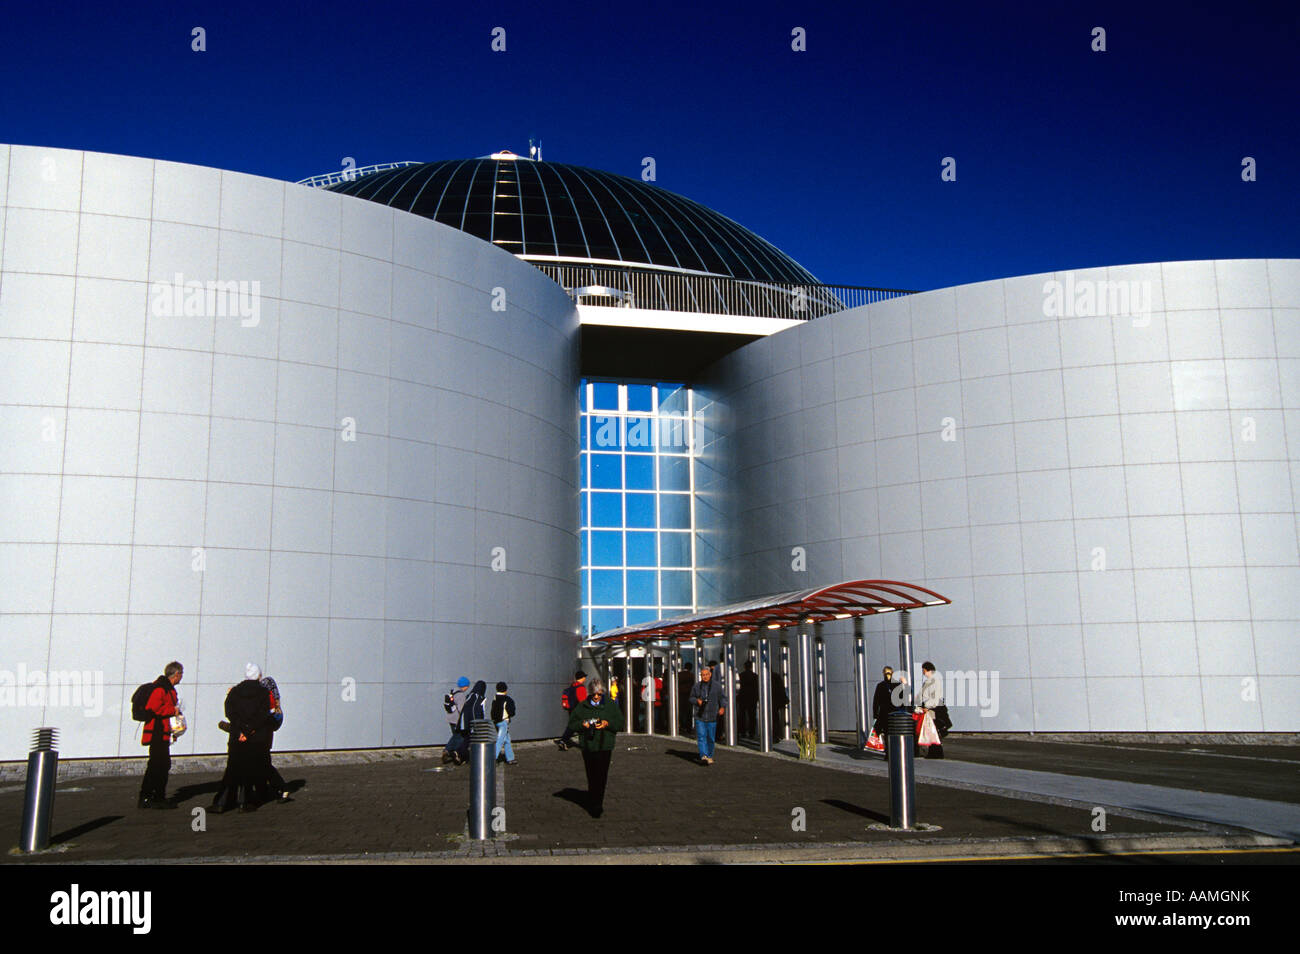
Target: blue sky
x,y
1065,157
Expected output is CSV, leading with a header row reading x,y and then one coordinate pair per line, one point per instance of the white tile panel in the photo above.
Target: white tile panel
x,y
96,510
234,582
1174,705
251,204
165,579
112,247
92,579
169,512
188,194
1195,335
44,178
36,306
1242,283
1189,285
173,445
1116,704
37,240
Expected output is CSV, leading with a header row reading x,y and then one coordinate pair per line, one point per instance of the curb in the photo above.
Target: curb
x,y
920,850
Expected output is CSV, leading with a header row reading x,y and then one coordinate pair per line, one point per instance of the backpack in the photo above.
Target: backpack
x,y
569,697
139,701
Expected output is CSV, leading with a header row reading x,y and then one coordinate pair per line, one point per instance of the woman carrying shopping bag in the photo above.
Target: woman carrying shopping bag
x,y
931,699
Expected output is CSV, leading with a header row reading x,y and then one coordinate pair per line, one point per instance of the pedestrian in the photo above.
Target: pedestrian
x,y
685,683
648,695
160,705
452,703
472,711
503,710
780,701
747,701
573,694
272,781
597,720
882,702
659,700
248,712
931,701
706,699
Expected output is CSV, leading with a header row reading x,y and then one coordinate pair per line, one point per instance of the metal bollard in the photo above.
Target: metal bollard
x,y
38,805
482,778
900,734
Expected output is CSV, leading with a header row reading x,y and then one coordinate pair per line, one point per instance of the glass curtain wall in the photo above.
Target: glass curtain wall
x,y
638,515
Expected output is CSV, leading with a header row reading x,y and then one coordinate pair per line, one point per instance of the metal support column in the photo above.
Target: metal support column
x,y
627,694
905,654
482,778
806,713
648,689
860,679
38,799
764,694
670,686
729,661
787,730
819,685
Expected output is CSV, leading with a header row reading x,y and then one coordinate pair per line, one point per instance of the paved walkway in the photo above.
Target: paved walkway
x,y
1269,817
661,806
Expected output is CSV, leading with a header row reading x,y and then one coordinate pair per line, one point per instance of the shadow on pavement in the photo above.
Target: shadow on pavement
x,y
856,810
84,828
576,795
686,755
186,792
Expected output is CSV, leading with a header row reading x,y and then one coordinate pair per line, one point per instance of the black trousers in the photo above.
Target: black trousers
x,y
159,767
597,766
243,772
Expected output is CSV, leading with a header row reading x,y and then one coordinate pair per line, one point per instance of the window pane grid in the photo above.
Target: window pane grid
x,y
638,516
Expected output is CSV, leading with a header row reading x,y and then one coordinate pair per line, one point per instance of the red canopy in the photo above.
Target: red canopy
x,y
838,601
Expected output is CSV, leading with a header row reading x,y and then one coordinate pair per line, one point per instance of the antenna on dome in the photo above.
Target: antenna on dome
x,y
534,149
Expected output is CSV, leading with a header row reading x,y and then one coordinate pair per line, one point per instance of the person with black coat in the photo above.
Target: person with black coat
x,y
471,712
747,701
685,683
882,702
503,710
248,712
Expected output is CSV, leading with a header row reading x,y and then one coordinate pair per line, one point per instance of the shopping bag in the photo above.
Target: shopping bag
x,y
929,734
874,742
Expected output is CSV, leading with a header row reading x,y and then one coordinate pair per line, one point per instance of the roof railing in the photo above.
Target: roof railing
x,y
352,175
645,288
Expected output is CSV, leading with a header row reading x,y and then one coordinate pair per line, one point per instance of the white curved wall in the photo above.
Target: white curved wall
x,y
1114,516
133,441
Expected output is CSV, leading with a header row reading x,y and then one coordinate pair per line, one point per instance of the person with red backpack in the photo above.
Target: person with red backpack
x,y
154,704
573,694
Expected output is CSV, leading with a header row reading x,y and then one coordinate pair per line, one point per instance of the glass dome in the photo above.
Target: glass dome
x,y
552,212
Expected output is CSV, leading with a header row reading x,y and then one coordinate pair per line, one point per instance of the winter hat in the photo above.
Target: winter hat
x,y
462,682
252,672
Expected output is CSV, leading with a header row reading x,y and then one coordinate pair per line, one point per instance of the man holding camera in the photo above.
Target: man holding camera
x,y
596,720
707,705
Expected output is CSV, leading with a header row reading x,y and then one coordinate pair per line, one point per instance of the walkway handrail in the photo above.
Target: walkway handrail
x,y
352,175
647,288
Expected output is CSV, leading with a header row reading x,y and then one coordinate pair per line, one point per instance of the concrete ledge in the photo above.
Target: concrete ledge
x,y
1146,738
919,850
